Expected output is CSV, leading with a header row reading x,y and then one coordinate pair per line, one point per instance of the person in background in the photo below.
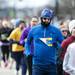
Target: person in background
x,y
69,60
45,37
17,49
65,32
68,40
5,31
28,60
64,29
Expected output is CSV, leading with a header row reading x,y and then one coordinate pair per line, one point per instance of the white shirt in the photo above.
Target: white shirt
x,y
69,60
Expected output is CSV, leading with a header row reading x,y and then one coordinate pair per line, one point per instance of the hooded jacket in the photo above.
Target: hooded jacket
x,y
44,40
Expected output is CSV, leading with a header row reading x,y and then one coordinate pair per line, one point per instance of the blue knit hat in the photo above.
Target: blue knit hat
x,y
47,13
17,22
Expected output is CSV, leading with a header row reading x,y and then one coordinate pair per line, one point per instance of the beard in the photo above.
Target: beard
x,y
45,24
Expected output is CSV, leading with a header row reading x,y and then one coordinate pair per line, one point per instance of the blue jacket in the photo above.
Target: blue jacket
x,y
45,44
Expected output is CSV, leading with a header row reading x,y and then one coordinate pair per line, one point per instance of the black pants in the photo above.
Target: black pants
x,y
59,69
17,56
29,63
5,52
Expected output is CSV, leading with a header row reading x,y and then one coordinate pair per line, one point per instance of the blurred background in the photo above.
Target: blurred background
x,y
29,8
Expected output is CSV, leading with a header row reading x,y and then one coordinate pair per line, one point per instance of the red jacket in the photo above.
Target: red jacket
x,y
65,44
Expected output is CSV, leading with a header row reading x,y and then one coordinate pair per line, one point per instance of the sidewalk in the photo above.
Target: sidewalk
x,y
8,71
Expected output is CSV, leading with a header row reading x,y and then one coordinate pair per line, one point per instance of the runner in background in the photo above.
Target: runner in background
x,y
28,60
17,49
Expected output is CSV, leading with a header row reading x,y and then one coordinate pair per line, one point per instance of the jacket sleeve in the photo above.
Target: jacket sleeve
x,y
66,65
23,37
28,42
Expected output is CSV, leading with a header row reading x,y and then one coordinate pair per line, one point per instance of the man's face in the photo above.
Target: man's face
x,y
45,21
22,25
64,32
33,23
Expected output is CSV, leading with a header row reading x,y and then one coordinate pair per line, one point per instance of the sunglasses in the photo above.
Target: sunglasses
x,y
64,30
46,18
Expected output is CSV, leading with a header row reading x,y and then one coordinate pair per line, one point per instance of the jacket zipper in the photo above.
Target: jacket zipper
x,y
44,32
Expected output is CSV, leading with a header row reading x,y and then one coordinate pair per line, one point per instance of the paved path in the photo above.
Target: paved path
x,y
8,71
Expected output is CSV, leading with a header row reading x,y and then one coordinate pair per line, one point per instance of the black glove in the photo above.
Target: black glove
x,y
14,42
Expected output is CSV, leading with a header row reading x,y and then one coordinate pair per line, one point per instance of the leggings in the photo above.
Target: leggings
x,y
5,52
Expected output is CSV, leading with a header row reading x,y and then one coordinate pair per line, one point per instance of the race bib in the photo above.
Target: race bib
x,y
47,41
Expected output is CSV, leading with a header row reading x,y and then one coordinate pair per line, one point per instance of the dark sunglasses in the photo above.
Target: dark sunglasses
x,y
64,30
46,18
